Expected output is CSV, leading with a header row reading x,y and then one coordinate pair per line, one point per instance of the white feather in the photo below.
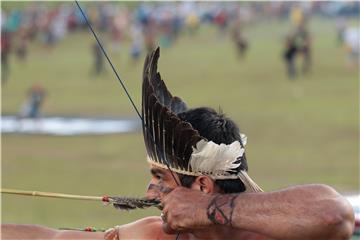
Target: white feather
x,y
243,139
250,185
212,158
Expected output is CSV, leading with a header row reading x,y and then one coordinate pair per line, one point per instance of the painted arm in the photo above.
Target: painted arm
x,y
20,231
313,212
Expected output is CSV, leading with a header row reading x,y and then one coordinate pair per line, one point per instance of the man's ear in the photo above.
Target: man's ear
x,y
204,184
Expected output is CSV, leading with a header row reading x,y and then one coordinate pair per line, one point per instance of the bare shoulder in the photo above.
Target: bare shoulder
x,y
147,222
145,228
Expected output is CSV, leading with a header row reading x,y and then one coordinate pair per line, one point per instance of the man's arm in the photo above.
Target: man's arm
x,y
301,212
146,228
19,231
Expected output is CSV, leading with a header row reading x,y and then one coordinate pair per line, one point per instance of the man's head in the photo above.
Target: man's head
x,y
214,127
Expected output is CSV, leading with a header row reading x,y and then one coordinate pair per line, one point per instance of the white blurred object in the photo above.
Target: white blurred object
x,y
352,38
67,126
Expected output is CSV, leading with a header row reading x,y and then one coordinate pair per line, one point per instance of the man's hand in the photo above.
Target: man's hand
x,y
301,212
112,233
185,210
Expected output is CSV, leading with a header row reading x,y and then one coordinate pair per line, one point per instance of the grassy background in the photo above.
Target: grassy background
x,y
303,131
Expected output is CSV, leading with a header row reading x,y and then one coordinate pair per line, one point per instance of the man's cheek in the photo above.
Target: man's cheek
x,y
165,189
153,191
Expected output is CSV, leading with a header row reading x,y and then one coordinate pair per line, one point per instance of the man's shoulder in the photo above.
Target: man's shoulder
x,y
145,228
150,222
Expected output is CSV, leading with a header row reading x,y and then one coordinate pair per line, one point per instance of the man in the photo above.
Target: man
x,y
5,45
35,99
303,41
238,37
291,50
199,172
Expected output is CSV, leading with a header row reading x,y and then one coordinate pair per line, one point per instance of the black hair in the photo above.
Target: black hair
x,y
217,128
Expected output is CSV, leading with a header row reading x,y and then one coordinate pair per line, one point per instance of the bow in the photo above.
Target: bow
x,y
141,118
121,203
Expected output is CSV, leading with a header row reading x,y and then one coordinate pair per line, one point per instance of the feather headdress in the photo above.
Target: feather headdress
x,y
175,144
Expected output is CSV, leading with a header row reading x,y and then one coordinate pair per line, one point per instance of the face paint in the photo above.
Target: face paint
x,y
159,188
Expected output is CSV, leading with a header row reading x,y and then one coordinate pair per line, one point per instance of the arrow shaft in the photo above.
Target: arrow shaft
x,y
50,194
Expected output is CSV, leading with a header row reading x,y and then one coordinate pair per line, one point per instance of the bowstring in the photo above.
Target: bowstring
x,y
122,84
108,59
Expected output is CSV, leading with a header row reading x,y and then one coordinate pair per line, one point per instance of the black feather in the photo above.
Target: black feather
x,y
125,203
168,139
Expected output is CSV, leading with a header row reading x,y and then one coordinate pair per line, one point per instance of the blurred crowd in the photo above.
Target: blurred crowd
x,y
146,24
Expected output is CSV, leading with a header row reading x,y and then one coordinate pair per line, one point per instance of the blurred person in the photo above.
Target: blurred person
x,y
165,40
176,24
296,15
221,20
192,23
46,27
59,22
13,21
71,21
116,34
98,65
217,198
33,102
239,39
117,29
290,56
142,14
340,25
351,45
137,42
22,44
5,53
149,33
105,13
3,17
28,21
164,26
93,15
303,42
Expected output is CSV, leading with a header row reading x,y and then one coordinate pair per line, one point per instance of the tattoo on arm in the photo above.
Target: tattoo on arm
x,y
220,209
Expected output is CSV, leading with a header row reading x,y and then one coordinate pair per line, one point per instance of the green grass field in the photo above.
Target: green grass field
x,y
303,131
